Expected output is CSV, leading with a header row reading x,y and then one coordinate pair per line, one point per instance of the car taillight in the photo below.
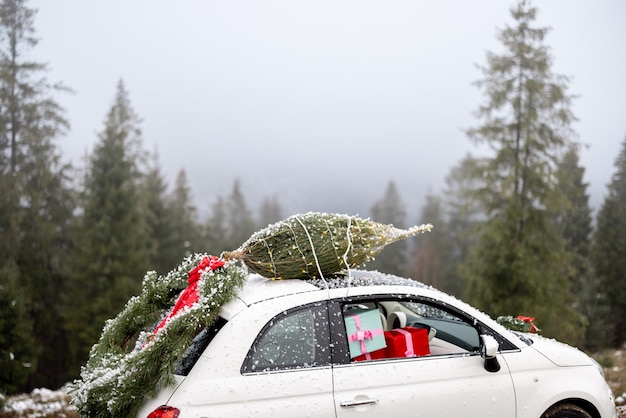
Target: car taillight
x,y
164,411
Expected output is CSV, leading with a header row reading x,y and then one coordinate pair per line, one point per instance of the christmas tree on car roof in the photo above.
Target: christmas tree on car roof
x,y
315,245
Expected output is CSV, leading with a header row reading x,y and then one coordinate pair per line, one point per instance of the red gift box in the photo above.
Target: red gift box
x,y
374,355
407,342
401,342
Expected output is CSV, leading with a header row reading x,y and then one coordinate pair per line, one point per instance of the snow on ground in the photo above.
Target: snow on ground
x,y
40,403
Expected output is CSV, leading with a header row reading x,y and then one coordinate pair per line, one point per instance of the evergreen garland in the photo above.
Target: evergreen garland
x,y
519,323
130,362
315,245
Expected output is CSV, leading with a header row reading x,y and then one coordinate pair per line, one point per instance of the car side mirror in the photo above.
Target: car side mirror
x,y
488,350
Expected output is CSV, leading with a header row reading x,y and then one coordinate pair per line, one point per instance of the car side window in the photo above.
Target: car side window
x,y
451,333
292,340
399,328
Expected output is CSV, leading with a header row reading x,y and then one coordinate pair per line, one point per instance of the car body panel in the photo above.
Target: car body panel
x,y
559,353
540,384
162,397
259,288
428,386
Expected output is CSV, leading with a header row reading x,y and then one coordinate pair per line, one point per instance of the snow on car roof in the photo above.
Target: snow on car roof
x,y
366,278
259,288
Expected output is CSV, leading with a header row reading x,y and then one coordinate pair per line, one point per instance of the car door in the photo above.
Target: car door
x,y
283,370
449,381
289,366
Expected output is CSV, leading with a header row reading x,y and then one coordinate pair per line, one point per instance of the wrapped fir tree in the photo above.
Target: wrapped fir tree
x,y
315,245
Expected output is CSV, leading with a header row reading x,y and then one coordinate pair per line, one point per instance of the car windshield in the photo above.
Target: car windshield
x,y
524,339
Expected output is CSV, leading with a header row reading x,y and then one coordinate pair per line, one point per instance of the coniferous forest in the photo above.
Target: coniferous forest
x,y
514,232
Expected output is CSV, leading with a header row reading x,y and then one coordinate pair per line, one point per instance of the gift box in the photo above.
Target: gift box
x,y
365,331
374,355
407,342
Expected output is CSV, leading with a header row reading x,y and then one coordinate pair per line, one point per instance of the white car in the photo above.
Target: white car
x,y
282,348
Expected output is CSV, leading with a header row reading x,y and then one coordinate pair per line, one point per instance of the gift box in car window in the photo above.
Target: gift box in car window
x,y
407,342
365,331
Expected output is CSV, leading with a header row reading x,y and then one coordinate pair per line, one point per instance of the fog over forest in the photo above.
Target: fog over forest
x,y
319,103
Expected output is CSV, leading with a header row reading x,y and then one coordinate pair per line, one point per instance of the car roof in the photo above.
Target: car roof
x,y
361,278
258,288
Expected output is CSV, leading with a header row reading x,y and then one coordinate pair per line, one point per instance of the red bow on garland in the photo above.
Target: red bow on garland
x,y
530,320
190,294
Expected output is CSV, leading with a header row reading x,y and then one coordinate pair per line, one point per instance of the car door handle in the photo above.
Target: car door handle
x,y
358,402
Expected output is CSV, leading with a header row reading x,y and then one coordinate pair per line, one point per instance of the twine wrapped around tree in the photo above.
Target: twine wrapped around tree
x,y
315,245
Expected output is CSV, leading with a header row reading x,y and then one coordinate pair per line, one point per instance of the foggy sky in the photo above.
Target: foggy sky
x,y
320,103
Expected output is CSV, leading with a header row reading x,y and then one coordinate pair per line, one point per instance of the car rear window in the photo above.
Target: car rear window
x,y
293,340
197,347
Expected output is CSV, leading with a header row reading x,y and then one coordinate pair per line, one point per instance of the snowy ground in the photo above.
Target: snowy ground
x,y
40,403
614,364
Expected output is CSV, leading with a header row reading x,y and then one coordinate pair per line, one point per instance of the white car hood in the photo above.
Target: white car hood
x,y
559,353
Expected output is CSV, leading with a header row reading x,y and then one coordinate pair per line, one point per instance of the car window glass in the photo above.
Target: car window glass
x,y
296,339
410,329
197,347
452,333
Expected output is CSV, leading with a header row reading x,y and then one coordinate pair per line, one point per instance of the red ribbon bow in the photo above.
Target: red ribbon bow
x,y
361,335
189,296
529,319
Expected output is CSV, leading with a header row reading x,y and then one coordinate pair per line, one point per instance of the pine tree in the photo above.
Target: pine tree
x,y
187,234
429,262
390,210
17,350
240,224
573,214
270,212
47,240
158,218
573,217
216,230
112,256
463,211
36,199
608,249
520,263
